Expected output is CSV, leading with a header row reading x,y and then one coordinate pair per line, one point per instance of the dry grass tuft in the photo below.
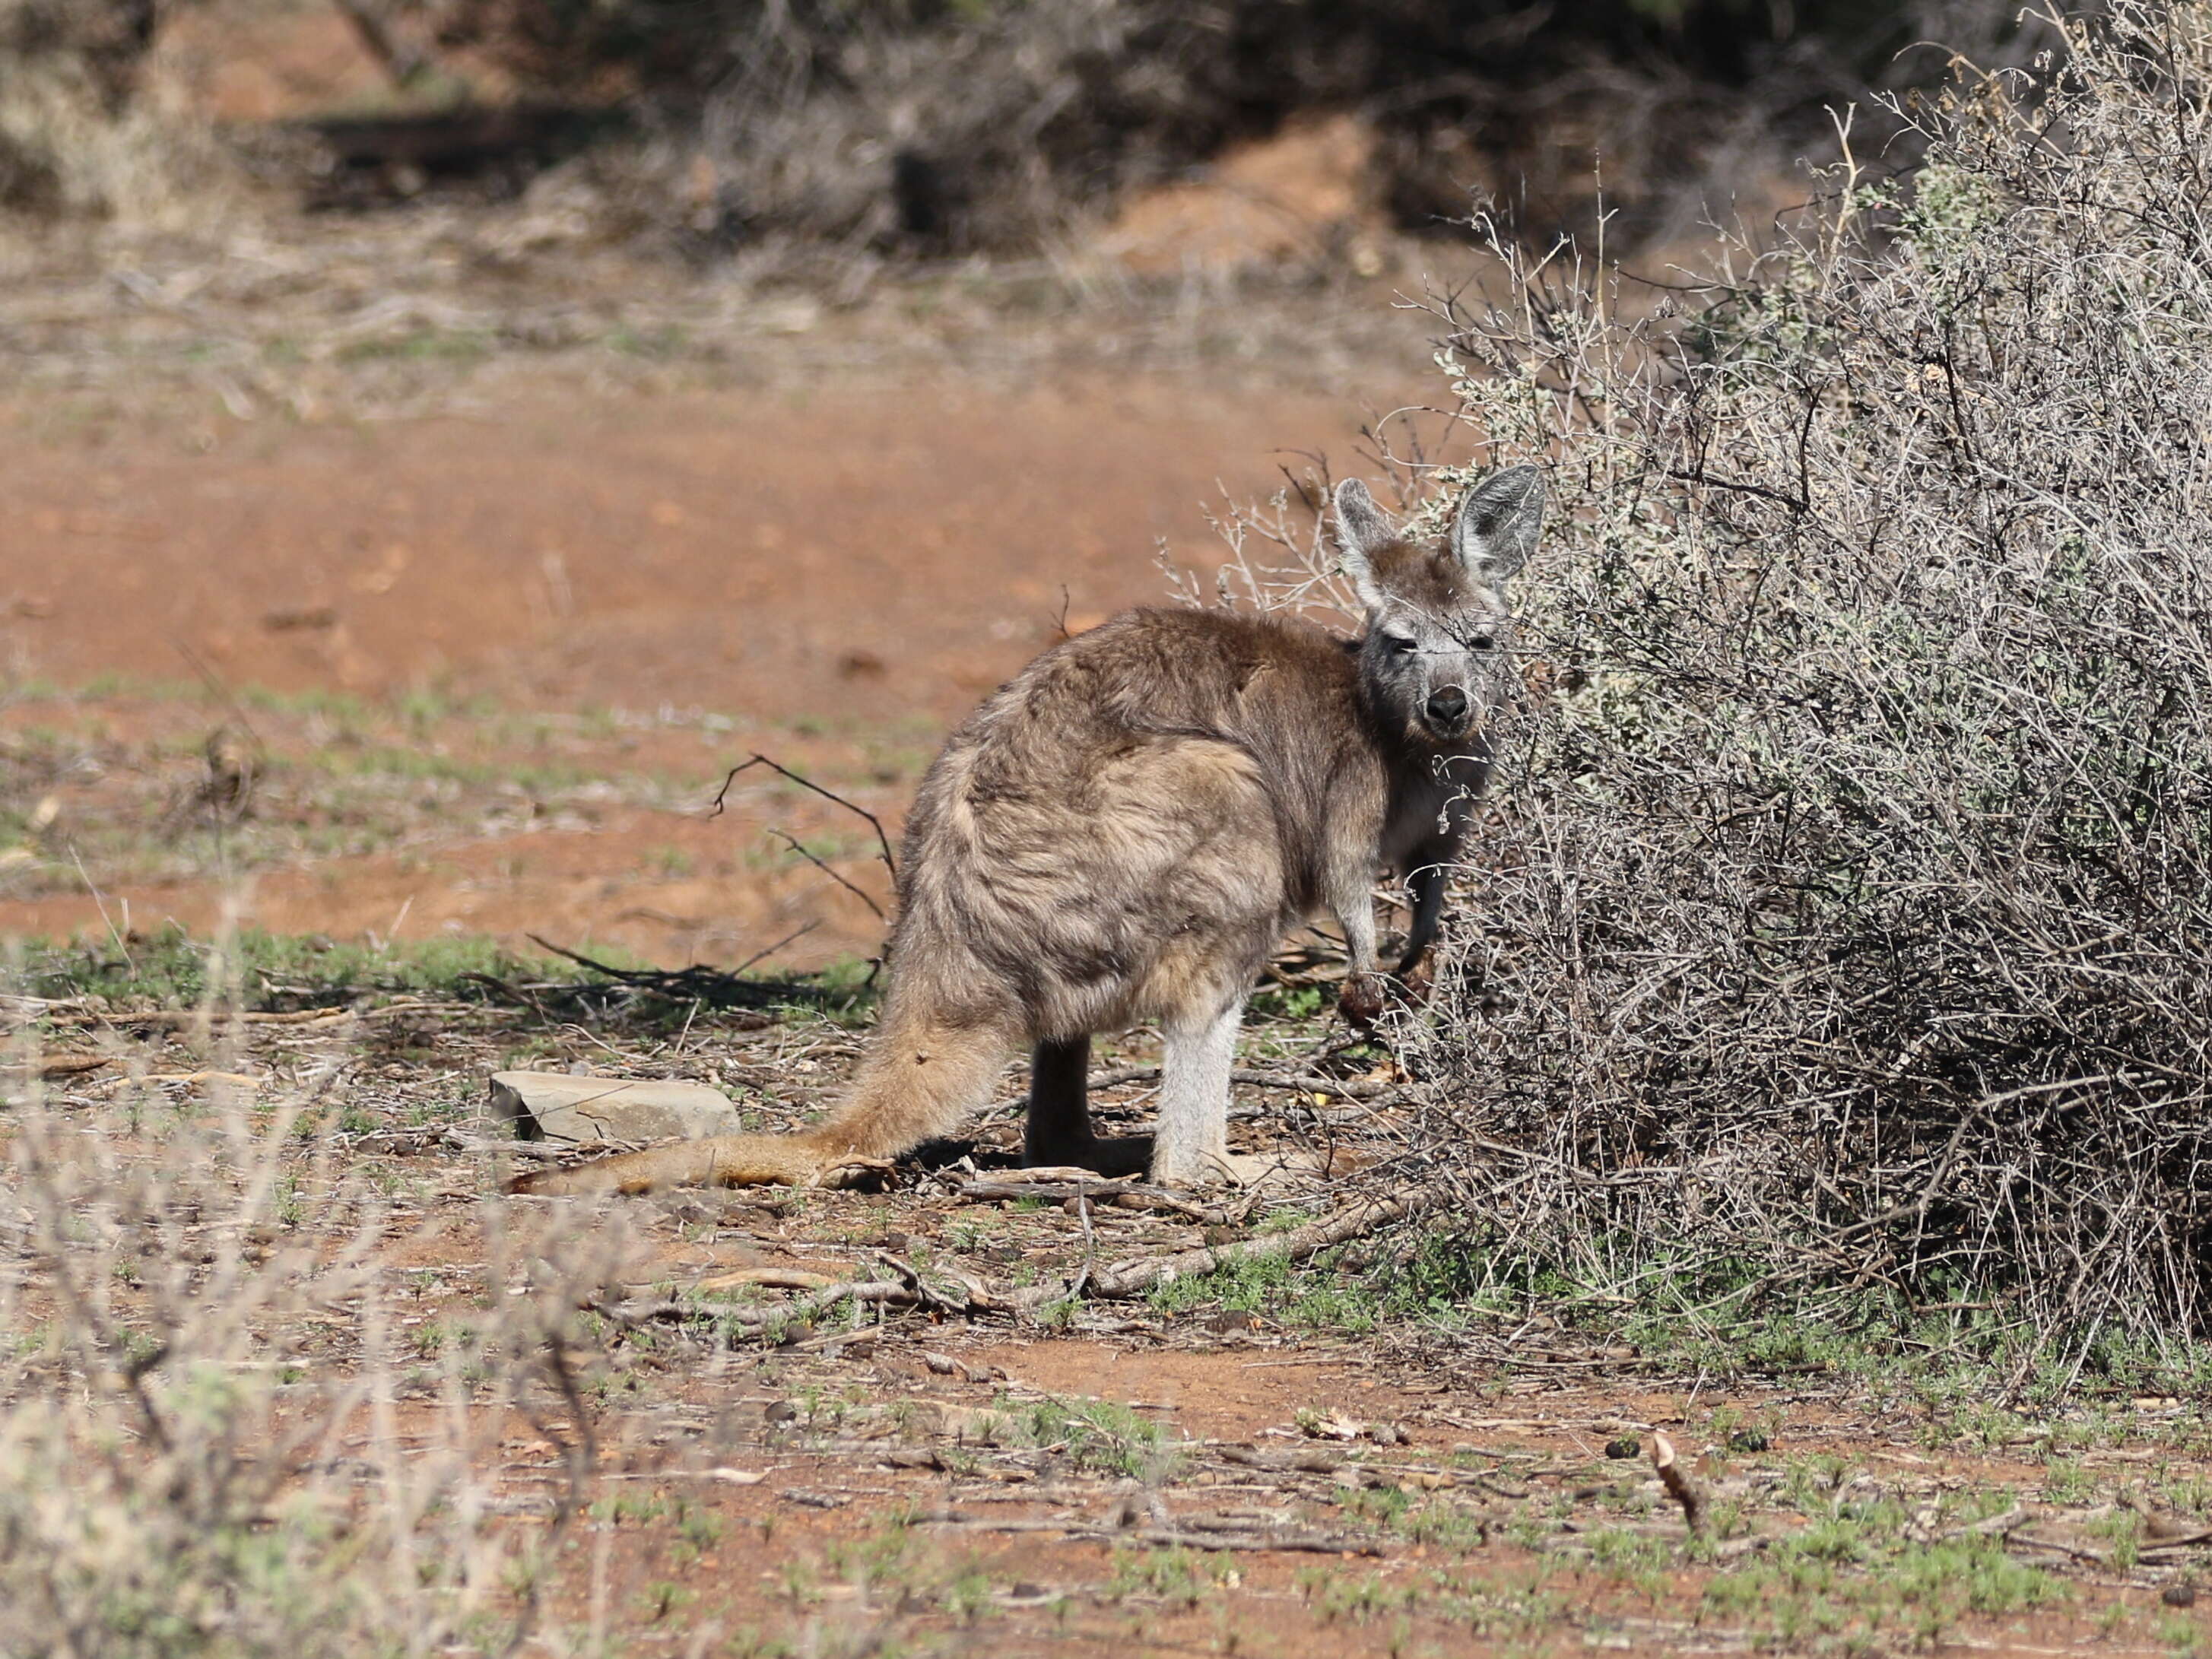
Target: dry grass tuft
x,y
228,1427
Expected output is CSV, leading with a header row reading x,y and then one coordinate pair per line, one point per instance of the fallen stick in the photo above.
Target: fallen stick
x,y
54,1066
2058,1546
1053,1175
78,1013
1170,1538
1994,1525
2202,1535
1313,1461
908,1290
467,1143
182,1017
774,1279
1134,1277
1162,1537
803,1308
1120,1194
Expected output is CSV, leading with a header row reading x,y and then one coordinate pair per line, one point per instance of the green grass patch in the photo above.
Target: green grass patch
x,y
264,971
1852,1578
1096,1435
1318,1296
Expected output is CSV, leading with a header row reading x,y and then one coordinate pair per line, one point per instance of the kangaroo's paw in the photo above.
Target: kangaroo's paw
x,y
1361,1000
1418,983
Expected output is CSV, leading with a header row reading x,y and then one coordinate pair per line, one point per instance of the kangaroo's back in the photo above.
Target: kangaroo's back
x,y
1051,751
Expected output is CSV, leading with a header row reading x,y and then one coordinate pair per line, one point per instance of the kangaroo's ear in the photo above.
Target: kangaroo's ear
x,y
1494,530
1361,529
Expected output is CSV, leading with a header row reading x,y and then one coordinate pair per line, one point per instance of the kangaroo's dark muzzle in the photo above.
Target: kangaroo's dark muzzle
x,y
1446,710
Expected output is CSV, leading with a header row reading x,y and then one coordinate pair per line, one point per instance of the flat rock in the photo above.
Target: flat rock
x,y
563,1106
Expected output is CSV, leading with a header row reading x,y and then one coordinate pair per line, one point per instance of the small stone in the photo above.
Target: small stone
x,y
2179,1595
558,1106
1747,1440
1624,1447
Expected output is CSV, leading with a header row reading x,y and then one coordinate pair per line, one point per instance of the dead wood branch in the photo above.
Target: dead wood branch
x,y
55,1067
907,1290
1339,1544
1120,1194
799,848
1312,1461
883,841
2202,1535
1134,1277
2059,1546
803,1310
774,1279
413,1140
1164,1537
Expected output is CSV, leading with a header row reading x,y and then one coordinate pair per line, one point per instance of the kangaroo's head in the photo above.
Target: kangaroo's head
x,y
1433,658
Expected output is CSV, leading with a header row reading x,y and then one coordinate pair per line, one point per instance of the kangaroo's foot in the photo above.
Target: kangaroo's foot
x,y
1247,1169
716,1161
1267,1168
1111,1155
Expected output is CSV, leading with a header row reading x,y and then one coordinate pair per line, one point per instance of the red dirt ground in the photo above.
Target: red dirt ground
x,y
852,552
842,568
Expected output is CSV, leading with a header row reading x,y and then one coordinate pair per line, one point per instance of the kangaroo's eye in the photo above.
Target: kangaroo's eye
x,y
1482,642
1399,644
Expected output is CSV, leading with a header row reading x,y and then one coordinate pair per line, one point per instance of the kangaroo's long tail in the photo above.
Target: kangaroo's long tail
x,y
918,1080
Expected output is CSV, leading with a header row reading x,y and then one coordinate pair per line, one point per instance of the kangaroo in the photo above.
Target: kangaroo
x,y
1126,830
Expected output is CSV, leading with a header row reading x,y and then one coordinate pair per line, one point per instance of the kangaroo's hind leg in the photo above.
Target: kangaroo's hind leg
x,y
1192,1148
1059,1131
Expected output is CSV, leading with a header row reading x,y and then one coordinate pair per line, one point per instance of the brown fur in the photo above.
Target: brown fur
x,y
1120,834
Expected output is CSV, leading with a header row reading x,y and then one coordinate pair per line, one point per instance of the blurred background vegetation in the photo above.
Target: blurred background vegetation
x,y
946,127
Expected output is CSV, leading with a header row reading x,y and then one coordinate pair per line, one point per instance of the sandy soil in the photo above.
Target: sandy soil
x,y
850,552
833,574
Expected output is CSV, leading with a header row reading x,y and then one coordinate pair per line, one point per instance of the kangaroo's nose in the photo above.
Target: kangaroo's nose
x,y
1448,705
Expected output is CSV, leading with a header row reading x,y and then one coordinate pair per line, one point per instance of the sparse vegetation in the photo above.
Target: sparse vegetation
x,y
906,127
171,968
168,1490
